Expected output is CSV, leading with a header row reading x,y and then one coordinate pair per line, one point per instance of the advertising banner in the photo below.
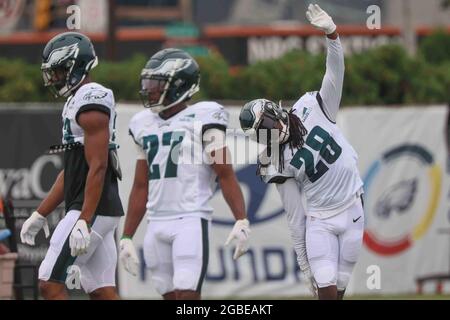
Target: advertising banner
x,y
402,159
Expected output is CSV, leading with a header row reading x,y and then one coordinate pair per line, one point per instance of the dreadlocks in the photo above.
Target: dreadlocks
x,y
297,131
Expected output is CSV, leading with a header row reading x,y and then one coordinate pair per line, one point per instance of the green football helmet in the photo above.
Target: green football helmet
x,y
66,61
263,114
170,76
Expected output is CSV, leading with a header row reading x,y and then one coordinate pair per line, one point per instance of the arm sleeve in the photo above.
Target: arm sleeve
x,y
331,90
292,198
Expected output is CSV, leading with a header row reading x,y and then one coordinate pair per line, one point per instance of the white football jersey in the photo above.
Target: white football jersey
x,y
181,181
325,167
91,96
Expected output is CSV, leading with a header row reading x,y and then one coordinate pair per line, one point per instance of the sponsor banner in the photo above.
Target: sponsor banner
x,y
26,172
402,156
273,47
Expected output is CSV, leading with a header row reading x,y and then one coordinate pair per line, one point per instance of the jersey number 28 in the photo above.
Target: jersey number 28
x,y
319,140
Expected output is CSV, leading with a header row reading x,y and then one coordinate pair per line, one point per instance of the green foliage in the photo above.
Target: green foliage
x,y
284,78
380,76
216,80
121,77
21,82
436,47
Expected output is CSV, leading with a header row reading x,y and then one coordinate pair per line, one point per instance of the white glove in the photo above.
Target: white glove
x,y
310,281
80,238
31,227
240,232
128,256
320,19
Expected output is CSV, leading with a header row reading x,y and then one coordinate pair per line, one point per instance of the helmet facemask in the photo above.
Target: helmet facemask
x,y
150,88
56,78
272,118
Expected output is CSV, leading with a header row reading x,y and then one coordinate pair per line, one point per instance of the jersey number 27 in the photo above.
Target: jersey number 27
x,y
151,146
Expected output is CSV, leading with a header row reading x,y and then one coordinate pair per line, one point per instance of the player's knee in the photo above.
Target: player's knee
x,y
343,280
188,295
50,290
97,295
325,276
106,293
44,288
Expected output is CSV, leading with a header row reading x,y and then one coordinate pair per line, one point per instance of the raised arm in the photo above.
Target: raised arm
x,y
331,90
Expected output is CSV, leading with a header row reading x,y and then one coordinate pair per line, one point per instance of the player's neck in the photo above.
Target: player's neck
x,y
86,80
166,114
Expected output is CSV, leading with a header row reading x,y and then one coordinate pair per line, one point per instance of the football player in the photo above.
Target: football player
x,y
181,153
316,162
88,182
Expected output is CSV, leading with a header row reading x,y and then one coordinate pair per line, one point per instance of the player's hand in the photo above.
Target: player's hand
x,y
263,161
320,19
80,238
32,226
310,281
240,232
128,256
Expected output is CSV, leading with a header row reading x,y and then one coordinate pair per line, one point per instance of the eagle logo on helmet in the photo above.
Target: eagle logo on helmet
x,y
168,67
59,55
